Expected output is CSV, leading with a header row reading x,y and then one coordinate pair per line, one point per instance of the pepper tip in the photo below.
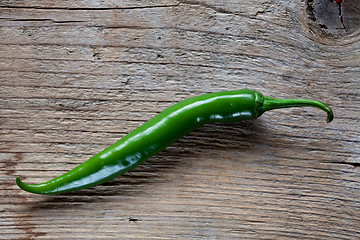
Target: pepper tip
x,y
19,182
22,185
330,117
330,114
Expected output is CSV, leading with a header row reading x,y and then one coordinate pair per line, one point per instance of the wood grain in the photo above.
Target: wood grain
x,y
78,75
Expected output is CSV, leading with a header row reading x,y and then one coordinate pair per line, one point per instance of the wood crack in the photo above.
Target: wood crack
x,y
89,8
43,20
341,16
354,164
209,6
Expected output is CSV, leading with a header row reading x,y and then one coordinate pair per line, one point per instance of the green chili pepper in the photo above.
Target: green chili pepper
x,y
165,128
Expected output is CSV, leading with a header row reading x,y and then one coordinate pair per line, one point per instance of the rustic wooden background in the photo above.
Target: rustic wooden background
x,y
78,75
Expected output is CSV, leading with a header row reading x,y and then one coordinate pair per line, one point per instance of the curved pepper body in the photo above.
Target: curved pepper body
x,y
158,133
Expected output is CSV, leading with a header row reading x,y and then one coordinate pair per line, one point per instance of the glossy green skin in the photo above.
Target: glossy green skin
x,y
152,137
158,133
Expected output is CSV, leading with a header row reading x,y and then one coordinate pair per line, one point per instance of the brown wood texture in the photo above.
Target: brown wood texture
x,y
75,76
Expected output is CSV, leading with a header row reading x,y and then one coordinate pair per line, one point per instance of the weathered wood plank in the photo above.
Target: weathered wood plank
x,y
78,75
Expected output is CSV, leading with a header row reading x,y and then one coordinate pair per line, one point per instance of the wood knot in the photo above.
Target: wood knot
x,y
333,18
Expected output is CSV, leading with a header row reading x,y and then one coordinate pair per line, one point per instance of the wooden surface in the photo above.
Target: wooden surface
x,y
78,75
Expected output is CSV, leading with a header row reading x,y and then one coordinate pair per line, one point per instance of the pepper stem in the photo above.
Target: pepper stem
x,y
272,103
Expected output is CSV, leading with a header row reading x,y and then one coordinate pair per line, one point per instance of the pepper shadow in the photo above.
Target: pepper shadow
x,y
246,136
